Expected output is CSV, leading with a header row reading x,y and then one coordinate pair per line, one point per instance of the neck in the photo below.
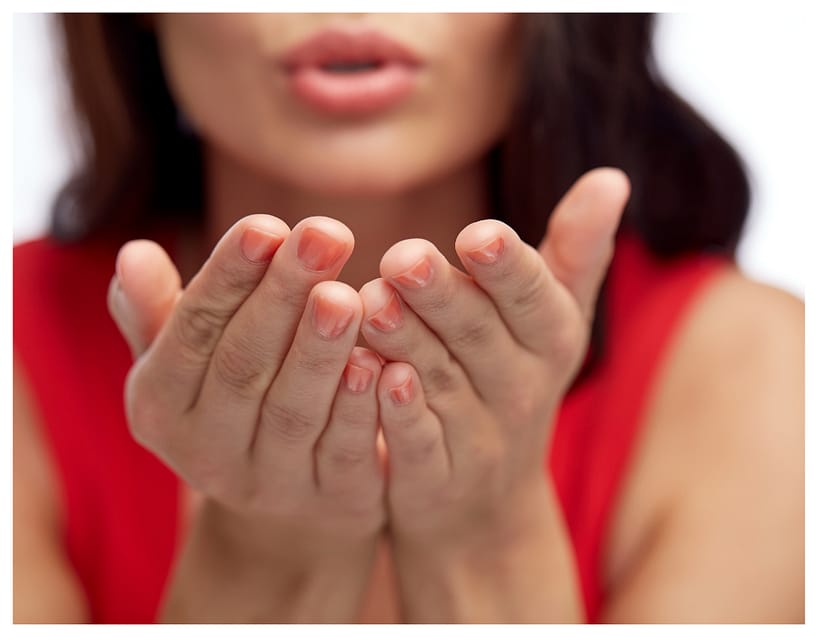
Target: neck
x,y
436,211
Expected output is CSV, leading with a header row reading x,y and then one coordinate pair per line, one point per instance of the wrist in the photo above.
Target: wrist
x,y
239,568
516,566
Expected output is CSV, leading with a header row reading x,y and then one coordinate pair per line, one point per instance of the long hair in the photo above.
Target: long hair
x,y
591,96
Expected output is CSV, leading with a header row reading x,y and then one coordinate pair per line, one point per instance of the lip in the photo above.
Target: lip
x,y
390,82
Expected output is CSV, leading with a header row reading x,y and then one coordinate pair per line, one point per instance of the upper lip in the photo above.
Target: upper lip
x,y
333,45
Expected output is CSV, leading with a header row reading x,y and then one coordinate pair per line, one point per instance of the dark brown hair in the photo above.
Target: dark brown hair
x,y
591,96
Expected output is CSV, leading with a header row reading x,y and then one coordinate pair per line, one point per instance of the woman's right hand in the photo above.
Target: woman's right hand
x,y
249,386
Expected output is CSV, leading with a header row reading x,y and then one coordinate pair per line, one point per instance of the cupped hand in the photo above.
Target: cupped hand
x,y
248,383
478,361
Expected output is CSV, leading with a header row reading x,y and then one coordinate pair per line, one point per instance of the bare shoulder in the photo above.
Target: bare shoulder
x,y
735,312
734,380
45,587
714,493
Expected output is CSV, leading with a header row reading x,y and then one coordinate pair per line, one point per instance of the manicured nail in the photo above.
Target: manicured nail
x,y
417,276
318,251
402,394
389,317
357,379
259,246
488,253
330,320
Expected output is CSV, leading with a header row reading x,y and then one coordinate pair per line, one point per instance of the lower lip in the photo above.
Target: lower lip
x,y
357,93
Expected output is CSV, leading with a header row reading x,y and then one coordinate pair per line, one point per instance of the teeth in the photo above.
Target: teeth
x,y
349,67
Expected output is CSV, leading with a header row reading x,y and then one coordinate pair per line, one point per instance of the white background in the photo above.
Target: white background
x,y
747,73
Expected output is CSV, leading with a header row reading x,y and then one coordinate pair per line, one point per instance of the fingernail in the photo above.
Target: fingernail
x,y
318,251
417,276
259,246
389,317
402,394
357,379
488,253
330,320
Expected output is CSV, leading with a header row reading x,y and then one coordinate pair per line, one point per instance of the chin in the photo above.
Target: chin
x,y
353,179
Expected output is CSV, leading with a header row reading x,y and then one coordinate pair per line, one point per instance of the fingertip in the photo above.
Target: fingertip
x,y
263,221
398,384
481,232
405,254
321,244
364,357
331,227
484,242
146,272
338,293
361,371
606,183
375,294
142,259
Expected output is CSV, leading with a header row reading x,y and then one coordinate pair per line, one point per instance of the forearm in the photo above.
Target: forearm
x,y
226,574
522,571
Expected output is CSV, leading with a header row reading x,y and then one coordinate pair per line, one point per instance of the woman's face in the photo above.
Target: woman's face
x,y
365,104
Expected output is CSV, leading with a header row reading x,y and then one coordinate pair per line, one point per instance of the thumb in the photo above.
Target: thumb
x,y
579,239
142,293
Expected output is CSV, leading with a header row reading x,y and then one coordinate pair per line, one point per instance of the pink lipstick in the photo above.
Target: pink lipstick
x,y
347,72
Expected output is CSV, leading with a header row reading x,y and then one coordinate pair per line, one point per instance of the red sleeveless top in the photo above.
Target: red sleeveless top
x,y
120,504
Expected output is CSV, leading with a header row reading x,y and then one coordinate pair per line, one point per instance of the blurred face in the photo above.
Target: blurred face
x,y
363,104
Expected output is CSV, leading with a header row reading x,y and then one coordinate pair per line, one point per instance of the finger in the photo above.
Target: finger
x,y
579,239
298,404
346,453
142,293
417,456
257,338
538,310
459,312
179,357
394,331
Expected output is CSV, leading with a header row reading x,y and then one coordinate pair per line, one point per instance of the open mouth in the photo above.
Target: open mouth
x,y
350,67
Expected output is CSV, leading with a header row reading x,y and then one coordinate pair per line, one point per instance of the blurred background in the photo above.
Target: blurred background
x,y
746,73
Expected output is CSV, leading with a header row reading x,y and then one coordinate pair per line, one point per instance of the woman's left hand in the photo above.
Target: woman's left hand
x,y
478,363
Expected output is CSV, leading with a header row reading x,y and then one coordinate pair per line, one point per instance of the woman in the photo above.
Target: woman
x,y
335,421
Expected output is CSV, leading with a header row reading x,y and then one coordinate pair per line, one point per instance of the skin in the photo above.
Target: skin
x,y
291,504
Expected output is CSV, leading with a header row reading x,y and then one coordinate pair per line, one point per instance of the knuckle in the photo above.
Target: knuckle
x,y
354,417
345,457
471,335
421,450
440,379
239,370
437,301
198,328
287,290
528,293
286,423
318,363
228,276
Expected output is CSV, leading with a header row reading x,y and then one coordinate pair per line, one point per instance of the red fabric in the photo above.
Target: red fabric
x,y
599,419
121,503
